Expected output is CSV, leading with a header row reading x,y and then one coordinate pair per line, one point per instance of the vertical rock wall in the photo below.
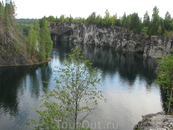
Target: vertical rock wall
x,y
120,39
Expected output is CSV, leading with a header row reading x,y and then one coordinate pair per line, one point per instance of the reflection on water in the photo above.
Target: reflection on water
x,y
129,65
127,82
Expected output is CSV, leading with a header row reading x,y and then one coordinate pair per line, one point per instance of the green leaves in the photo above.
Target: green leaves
x,y
39,40
75,96
165,78
45,40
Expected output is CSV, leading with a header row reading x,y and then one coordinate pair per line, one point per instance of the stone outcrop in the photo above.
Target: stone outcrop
x,y
118,38
156,121
13,49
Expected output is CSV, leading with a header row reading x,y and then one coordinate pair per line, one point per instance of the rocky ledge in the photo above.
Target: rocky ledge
x,y
116,37
157,121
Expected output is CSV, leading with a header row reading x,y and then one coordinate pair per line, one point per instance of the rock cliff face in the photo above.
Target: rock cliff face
x,y
120,39
13,49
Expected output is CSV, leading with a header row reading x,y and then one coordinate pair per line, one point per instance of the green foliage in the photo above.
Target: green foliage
x,y
39,39
34,38
107,21
45,40
127,23
7,14
91,18
25,21
118,22
155,26
61,19
31,40
146,19
165,78
1,13
144,30
51,19
50,118
135,23
24,28
123,20
10,14
75,95
155,22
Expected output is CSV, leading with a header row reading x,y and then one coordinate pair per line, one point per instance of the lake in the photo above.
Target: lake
x,y
128,83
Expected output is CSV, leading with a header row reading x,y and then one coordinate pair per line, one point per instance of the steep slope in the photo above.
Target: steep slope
x,y
13,49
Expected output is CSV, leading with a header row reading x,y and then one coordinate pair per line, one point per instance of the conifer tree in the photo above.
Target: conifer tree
x,y
155,22
1,13
12,13
167,21
135,23
127,22
6,15
123,20
146,19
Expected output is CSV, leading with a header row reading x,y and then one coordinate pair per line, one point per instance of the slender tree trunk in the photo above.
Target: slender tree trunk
x,y
170,100
76,114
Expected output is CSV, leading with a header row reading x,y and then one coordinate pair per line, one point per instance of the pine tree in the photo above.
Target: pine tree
x,y
167,21
155,22
6,15
146,19
1,13
135,23
127,22
12,13
123,20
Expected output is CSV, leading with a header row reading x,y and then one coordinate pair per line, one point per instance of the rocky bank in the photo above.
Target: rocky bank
x,y
13,49
116,37
156,121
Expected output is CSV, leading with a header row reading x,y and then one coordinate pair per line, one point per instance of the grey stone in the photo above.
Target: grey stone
x,y
120,39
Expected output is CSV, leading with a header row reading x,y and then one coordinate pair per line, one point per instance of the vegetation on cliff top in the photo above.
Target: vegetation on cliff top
x,y
155,25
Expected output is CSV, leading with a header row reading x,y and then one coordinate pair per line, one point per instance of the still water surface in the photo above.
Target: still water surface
x,y
127,82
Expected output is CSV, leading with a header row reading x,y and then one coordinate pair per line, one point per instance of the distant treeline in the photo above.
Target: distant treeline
x,y
26,21
155,25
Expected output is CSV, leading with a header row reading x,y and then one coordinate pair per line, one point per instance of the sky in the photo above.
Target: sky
x,y
81,8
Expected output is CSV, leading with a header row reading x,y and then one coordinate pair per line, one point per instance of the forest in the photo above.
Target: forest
x,y
37,39
155,25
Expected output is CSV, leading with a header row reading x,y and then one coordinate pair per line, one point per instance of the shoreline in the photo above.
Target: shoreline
x,y
37,63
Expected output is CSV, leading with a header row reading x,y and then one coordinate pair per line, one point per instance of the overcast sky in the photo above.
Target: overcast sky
x,y
83,8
